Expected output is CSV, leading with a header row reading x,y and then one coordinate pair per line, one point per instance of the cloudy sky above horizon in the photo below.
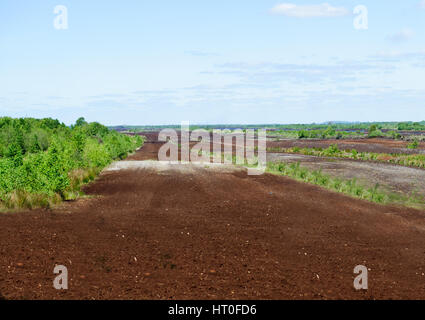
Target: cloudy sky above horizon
x,y
208,62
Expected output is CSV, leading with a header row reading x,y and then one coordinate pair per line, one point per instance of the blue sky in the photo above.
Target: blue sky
x,y
251,61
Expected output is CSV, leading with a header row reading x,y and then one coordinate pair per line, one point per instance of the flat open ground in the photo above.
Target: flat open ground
x,y
390,177
196,232
377,145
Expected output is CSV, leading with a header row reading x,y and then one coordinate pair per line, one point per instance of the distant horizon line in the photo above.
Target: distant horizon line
x,y
264,124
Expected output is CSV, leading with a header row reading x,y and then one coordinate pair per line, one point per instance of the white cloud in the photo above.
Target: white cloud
x,y
402,35
422,4
309,11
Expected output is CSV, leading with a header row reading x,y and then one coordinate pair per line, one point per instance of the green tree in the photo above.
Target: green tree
x,y
80,122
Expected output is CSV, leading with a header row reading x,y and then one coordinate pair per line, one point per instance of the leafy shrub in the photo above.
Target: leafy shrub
x,y
413,145
375,133
394,135
332,151
39,158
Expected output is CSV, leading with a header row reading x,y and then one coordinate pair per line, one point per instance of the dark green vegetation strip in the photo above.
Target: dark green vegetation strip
x,y
357,132
43,161
334,125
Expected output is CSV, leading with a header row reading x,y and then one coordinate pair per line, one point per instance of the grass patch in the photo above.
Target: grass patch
x,y
19,199
407,160
349,187
413,145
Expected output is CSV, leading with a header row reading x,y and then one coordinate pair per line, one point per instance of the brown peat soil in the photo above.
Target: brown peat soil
x,y
205,233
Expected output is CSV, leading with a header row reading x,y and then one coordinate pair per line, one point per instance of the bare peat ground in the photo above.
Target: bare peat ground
x,y
210,234
361,145
390,177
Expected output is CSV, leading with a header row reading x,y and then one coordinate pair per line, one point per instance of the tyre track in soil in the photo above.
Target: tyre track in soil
x,y
206,234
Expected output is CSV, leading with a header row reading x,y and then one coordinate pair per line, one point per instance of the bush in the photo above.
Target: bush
x,y
375,133
332,151
413,145
39,158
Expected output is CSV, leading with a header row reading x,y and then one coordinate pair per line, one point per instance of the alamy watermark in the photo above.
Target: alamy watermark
x,y
61,281
249,149
361,21
361,282
60,21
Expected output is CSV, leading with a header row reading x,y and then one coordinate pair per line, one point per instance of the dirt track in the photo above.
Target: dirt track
x,y
211,235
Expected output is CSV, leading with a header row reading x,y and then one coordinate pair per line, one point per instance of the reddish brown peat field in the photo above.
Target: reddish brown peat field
x,y
206,234
377,145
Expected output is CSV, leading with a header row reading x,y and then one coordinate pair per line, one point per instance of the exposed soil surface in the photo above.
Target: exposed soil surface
x,y
211,234
361,145
394,178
